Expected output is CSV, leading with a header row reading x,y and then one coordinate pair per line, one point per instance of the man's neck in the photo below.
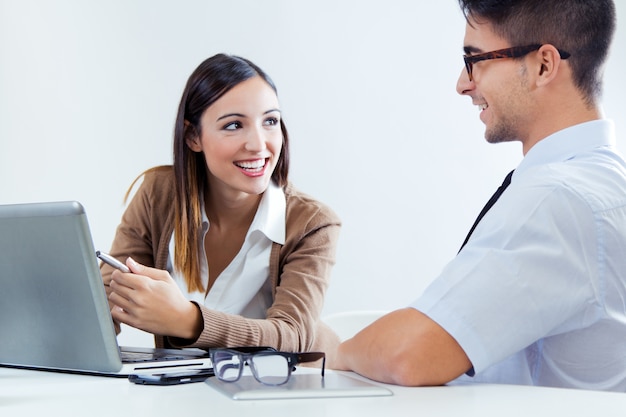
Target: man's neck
x,y
559,116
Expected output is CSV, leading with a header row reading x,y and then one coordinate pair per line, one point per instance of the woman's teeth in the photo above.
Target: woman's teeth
x,y
252,165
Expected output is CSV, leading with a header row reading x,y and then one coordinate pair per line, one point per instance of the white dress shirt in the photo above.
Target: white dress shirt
x,y
243,287
538,294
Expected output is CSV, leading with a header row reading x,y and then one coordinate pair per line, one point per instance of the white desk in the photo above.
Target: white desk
x,y
34,393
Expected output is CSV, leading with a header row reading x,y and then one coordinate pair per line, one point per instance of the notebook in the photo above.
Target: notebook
x,y
309,384
54,313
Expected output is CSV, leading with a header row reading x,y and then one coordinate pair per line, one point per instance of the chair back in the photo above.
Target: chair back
x,y
348,323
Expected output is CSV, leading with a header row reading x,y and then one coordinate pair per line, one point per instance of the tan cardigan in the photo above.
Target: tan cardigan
x,y
299,270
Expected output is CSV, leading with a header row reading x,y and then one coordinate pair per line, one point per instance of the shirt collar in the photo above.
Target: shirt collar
x,y
270,217
566,143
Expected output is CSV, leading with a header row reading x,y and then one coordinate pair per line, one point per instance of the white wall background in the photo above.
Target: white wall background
x,y
89,91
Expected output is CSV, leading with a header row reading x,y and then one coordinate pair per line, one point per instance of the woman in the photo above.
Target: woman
x,y
223,250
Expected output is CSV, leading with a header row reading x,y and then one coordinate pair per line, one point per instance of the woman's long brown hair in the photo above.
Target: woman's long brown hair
x,y
210,81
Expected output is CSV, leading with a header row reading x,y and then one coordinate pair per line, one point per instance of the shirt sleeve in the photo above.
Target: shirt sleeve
x,y
524,275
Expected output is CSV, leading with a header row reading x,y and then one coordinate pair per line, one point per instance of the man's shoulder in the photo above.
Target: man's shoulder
x,y
598,182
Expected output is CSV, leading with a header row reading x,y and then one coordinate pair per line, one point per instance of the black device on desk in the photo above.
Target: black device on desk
x,y
173,378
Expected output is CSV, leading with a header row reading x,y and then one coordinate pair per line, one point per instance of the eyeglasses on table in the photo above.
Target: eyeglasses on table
x,y
268,366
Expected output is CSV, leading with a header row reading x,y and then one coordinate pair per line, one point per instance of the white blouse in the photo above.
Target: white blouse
x,y
243,287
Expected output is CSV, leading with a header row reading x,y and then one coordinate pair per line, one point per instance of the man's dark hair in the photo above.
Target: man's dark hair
x,y
584,28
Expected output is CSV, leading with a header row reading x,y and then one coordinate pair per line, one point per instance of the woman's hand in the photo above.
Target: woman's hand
x,y
149,299
106,280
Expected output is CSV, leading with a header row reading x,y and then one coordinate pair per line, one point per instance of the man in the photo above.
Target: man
x,y
537,294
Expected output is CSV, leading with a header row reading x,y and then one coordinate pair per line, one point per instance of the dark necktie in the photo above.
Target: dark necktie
x,y
490,203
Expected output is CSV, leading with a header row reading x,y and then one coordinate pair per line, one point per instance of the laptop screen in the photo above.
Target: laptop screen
x,y
53,309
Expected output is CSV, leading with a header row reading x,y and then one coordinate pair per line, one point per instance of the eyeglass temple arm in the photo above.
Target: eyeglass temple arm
x,y
312,357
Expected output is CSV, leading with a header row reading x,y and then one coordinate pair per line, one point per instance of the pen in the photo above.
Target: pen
x,y
108,259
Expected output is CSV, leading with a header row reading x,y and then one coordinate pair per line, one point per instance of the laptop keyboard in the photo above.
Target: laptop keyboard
x,y
137,357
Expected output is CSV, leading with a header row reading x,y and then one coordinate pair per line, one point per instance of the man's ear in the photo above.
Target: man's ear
x,y
192,138
548,64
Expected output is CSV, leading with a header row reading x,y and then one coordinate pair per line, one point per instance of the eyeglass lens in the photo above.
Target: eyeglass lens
x,y
227,366
269,369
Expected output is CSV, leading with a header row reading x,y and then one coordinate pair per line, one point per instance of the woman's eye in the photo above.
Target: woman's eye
x,y
232,126
271,121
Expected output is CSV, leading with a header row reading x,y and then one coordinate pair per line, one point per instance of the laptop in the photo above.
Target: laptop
x,y
54,313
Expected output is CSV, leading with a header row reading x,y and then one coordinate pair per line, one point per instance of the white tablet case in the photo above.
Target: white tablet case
x,y
308,385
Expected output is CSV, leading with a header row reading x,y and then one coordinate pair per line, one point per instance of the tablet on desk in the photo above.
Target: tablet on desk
x,y
308,385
